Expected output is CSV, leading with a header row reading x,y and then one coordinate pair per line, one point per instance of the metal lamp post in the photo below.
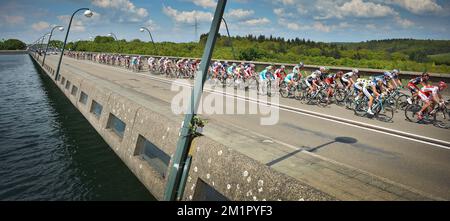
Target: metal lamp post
x,y
41,43
229,38
142,29
180,160
88,13
115,38
60,28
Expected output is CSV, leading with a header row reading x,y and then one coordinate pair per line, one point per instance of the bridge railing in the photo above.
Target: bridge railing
x,y
363,71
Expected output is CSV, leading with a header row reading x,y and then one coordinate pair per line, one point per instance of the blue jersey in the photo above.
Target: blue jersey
x,y
265,74
230,70
289,77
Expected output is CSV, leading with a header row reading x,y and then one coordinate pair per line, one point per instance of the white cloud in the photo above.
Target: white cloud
x,y
150,24
321,27
39,26
419,6
405,23
358,8
132,13
77,25
239,13
287,2
205,3
353,8
289,25
256,21
187,16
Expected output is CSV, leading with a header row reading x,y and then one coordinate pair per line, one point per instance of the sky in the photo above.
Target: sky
x,y
174,20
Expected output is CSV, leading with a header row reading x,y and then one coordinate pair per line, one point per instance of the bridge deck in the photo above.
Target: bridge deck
x,y
397,167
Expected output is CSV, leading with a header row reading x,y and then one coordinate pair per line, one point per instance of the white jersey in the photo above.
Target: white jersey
x,y
348,75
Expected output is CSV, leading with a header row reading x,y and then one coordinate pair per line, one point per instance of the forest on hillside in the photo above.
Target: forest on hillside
x,y
403,54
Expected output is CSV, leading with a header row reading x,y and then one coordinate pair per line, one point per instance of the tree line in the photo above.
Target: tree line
x,y
403,54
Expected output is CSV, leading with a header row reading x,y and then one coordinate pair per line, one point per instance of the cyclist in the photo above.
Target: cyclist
x,y
358,86
397,82
231,70
347,78
290,79
414,89
430,96
280,73
373,88
264,76
312,80
298,68
330,80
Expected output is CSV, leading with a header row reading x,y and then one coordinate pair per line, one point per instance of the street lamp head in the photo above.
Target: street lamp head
x,y
142,29
61,28
88,13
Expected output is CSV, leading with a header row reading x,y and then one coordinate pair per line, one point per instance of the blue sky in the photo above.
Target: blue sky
x,y
173,20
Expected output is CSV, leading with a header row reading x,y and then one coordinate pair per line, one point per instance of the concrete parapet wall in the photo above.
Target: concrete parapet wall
x,y
239,177
218,168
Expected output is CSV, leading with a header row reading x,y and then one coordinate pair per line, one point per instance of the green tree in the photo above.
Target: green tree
x,y
13,44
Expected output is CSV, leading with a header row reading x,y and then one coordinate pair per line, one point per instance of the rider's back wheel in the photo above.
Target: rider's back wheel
x,y
284,90
411,112
361,108
350,102
402,102
340,95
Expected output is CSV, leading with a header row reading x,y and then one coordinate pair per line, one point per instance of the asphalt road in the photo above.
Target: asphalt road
x,y
424,166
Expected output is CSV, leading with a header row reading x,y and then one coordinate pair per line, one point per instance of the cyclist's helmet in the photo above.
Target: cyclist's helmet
x,y
356,71
282,67
322,69
442,85
234,64
387,75
252,65
425,75
395,71
301,65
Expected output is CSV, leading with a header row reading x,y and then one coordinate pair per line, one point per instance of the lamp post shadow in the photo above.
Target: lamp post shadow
x,y
344,140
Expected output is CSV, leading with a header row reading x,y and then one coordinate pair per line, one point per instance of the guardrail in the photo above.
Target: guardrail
x,y
363,71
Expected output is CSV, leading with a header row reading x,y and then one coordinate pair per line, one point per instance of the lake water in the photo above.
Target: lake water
x,y
48,150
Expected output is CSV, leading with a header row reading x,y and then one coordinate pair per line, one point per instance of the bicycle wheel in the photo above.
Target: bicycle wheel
x,y
386,113
340,95
283,90
442,119
361,108
411,112
350,102
322,99
299,93
402,102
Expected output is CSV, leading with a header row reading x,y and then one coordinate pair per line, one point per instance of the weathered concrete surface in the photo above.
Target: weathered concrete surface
x,y
336,180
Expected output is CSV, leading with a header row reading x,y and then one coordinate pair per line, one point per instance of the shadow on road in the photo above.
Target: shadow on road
x,y
345,140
